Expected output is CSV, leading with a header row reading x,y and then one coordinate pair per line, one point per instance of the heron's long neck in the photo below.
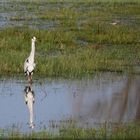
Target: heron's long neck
x,y
30,106
32,51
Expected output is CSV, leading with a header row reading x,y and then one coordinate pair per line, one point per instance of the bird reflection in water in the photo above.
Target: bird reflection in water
x,y
29,97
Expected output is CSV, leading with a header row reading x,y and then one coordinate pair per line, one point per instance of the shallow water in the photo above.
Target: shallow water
x,y
28,14
106,97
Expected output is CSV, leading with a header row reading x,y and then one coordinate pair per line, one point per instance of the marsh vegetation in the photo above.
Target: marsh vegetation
x,y
75,39
108,131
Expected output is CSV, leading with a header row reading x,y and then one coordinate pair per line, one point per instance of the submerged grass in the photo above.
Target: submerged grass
x,y
83,40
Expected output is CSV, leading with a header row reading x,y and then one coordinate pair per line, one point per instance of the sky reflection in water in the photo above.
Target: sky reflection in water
x,y
105,97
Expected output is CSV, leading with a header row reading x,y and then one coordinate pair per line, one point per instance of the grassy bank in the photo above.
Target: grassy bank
x,y
82,40
105,131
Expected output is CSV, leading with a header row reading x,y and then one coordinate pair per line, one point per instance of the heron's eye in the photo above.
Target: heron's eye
x,y
27,60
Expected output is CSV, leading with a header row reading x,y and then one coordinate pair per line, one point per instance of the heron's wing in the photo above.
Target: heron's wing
x,y
25,98
26,64
29,66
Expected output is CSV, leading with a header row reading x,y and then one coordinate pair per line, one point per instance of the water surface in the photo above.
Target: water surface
x,y
106,97
33,14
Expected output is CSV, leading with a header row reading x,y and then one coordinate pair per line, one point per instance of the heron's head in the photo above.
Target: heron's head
x,y
34,39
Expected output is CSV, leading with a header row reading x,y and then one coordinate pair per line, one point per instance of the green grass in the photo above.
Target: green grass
x,y
81,42
38,1
71,131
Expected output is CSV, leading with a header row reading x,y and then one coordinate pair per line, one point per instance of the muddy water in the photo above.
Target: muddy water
x,y
106,97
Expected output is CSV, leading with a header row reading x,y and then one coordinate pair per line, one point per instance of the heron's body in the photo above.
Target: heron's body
x,y
29,64
29,100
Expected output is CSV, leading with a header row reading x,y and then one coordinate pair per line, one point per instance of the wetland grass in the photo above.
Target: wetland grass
x,y
82,41
71,131
65,58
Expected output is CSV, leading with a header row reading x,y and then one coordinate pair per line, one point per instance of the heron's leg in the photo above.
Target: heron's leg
x,y
30,79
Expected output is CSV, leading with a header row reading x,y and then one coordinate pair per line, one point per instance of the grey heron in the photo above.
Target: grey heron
x,y
29,64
